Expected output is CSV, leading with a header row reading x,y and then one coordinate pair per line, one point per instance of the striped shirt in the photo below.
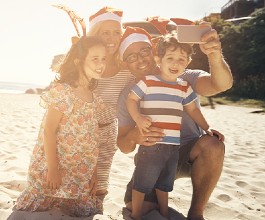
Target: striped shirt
x,y
109,90
163,102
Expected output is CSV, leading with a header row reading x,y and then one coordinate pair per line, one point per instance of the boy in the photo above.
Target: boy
x,y
163,97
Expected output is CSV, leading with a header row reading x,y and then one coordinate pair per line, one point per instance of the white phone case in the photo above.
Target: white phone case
x,y
191,33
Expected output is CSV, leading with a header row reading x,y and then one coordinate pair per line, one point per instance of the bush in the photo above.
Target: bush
x,y
250,87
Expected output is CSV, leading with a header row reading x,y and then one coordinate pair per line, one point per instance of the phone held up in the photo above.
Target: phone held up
x,y
191,33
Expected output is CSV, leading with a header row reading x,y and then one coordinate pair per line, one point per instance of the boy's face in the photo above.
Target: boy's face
x,y
139,59
173,64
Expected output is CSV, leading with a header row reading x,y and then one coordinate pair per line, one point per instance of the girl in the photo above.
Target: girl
x,y
106,24
63,166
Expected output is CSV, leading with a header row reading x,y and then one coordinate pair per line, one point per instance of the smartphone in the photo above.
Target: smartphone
x,y
191,33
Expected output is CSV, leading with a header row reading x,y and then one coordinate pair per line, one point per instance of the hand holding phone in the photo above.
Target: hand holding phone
x,y
191,33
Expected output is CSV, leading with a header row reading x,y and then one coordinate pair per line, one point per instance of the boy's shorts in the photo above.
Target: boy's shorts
x,y
155,168
183,170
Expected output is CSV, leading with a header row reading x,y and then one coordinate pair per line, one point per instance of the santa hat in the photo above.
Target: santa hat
x,y
182,21
159,23
133,35
105,14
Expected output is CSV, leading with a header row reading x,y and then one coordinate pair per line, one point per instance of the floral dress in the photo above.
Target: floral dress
x,y
77,152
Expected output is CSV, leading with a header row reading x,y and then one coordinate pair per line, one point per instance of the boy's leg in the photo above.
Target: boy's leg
x,y
137,203
166,179
150,162
150,200
163,202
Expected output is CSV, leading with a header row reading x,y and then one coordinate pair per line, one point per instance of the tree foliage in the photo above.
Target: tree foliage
x,y
244,50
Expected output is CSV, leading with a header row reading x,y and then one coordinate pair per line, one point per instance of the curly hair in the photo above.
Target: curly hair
x,y
170,40
69,71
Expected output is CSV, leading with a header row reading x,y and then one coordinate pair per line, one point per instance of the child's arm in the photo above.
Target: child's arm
x,y
142,122
197,116
50,132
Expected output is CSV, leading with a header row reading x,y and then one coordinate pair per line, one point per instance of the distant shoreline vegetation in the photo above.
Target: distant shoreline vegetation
x,y
16,87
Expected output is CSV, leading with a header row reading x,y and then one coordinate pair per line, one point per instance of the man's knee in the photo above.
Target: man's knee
x,y
210,147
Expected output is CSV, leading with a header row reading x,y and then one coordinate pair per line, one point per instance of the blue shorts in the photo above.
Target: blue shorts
x,y
156,168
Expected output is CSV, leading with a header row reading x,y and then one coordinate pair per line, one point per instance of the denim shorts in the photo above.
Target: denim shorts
x,y
156,168
183,170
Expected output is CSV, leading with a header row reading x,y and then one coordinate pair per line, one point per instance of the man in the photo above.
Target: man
x,y
200,156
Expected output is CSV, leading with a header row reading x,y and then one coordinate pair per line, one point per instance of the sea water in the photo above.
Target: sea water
x,y
16,88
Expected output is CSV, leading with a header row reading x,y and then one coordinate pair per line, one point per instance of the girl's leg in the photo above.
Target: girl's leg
x,y
162,198
137,204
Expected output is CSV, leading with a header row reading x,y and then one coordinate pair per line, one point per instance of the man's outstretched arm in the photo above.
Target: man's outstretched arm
x,y
220,78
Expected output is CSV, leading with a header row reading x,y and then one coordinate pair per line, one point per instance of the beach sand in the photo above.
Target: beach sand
x,y
240,192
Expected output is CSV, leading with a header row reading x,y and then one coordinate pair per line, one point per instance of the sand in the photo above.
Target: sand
x,y
240,192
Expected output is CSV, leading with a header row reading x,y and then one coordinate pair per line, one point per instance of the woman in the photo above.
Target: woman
x,y
106,24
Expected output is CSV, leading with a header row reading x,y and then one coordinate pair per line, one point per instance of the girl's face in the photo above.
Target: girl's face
x,y
111,33
173,64
95,62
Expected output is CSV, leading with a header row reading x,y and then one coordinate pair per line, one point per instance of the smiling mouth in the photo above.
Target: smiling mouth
x,y
174,71
99,71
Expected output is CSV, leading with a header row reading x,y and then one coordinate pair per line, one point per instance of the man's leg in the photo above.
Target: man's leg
x,y
206,157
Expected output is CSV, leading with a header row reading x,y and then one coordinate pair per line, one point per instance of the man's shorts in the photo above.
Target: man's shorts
x,y
183,170
155,168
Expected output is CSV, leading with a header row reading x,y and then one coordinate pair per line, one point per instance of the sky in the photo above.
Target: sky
x,y
32,31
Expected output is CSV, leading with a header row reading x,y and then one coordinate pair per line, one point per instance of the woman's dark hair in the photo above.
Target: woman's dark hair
x,y
69,70
170,40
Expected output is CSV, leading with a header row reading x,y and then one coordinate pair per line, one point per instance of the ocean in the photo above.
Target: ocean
x,y
16,88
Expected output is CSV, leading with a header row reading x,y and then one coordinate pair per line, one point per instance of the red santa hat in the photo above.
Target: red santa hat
x,y
182,21
159,23
105,14
133,35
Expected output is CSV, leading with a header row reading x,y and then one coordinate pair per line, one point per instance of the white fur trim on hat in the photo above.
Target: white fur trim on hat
x,y
104,17
132,38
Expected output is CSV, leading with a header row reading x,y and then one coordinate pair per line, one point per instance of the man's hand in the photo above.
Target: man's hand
x,y
151,137
212,44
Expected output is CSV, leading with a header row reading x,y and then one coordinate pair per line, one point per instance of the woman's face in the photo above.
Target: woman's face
x,y
110,33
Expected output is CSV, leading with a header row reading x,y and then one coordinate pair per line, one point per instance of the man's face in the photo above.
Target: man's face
x,y
139,59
